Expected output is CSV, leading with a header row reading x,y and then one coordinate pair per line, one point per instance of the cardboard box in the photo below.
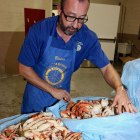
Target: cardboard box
x,y
124,48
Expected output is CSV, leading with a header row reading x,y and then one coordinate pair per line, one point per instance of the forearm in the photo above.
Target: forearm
x,y
121,99
111,77
31,76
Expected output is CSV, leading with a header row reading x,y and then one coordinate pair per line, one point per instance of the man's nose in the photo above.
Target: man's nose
x,y
75,24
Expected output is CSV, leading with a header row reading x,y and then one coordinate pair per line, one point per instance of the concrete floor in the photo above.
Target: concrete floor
x,y
85,82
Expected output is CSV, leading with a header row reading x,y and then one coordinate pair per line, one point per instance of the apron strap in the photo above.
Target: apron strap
x,y
74,56
50,37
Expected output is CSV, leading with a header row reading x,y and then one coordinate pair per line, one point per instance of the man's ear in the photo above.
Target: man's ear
x,y
59,9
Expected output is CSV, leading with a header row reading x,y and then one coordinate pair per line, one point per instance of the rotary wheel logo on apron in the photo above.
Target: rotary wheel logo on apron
x,y
54,75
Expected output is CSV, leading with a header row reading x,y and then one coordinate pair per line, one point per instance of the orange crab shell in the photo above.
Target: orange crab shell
x,y
70,105
65,113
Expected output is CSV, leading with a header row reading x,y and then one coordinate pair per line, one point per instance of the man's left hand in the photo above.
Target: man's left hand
x,y
122,101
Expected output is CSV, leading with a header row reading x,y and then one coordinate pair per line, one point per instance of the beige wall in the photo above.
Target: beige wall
x,y
132,17
130,25
10,43
12,12
12,30
12,27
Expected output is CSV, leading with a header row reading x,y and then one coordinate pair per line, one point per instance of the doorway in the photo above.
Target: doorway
x,y
32,16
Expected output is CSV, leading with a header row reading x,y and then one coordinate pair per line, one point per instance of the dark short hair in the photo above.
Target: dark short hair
x,y
62,2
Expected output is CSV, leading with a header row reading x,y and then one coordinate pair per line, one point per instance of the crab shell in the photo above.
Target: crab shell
x,y
97,109
104,102
108,111
65,113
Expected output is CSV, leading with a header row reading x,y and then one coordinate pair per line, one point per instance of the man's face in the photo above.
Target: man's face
x,y
72,9
68,29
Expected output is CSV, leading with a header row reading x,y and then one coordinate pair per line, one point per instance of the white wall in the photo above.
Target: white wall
x,y
103,19
12,12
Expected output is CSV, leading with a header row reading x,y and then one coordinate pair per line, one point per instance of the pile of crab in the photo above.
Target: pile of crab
x,y
41,126
83,109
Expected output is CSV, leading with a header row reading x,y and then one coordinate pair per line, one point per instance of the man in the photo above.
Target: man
x,y
53,49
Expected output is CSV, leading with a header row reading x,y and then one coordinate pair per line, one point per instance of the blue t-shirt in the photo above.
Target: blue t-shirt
x,y
88,46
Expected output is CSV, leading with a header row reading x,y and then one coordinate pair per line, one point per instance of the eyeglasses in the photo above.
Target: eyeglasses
x,y
72,19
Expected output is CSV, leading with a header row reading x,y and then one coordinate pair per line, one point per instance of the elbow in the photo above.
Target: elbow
x,y
19,69
22,69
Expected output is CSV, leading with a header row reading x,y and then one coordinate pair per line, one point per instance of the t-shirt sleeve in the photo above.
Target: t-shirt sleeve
x,y
29,52
97,56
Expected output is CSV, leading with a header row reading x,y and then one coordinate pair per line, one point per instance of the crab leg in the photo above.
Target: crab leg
x,y
32,123
38,124
73,136
44,127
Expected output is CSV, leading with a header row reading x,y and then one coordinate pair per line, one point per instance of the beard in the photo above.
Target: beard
x,y
68,30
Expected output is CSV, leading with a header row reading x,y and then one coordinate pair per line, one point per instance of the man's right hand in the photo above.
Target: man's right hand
x,y
32,77
60,94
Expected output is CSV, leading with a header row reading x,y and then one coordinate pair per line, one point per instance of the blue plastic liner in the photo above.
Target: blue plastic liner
x,y
125,126
131,78
4,123
8,118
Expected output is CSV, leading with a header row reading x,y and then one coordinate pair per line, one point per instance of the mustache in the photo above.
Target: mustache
x,y
72,28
